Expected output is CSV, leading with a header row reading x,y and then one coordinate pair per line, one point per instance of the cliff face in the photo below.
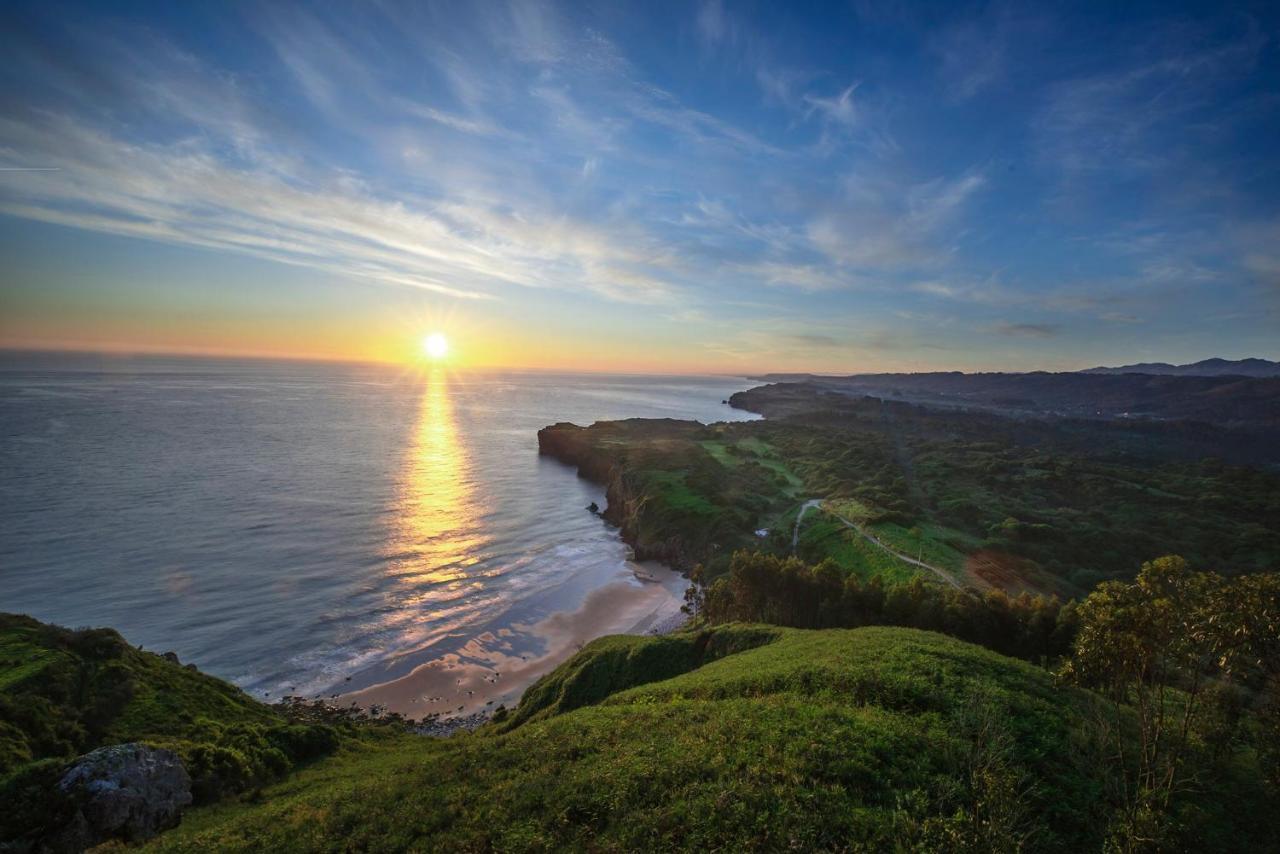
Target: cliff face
x,y
644,465
576,446
572,444
628,502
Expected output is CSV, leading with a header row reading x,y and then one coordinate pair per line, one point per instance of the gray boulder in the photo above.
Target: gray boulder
x,y
127,791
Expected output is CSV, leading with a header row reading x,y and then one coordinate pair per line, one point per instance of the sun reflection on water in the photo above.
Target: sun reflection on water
x,y
434,532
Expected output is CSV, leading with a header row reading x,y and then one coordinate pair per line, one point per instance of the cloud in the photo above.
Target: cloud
x,y
975,53
971,57
779,85
714,25
986,291
478,223
880,225
839,109
805,277
1026,330
1258,244
1136,117
188,195
813,340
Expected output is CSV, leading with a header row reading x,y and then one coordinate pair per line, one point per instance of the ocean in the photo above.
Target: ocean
x,y
369,534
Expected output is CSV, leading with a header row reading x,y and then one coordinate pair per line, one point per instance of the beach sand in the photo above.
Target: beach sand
x,y
494,668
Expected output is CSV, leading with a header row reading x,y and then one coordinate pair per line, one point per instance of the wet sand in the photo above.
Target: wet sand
x,y
494,668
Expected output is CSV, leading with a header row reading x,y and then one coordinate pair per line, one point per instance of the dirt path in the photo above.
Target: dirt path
x,y
804,508
876,541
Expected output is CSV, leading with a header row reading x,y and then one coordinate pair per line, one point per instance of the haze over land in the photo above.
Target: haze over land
x,y
663,187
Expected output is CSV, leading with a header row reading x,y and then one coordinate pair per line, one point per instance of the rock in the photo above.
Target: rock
x,y
171,657
127,791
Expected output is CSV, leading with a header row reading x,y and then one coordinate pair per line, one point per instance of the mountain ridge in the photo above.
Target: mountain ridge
x,y
1213,367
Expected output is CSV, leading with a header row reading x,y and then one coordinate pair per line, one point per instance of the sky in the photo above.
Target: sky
x,y
669,187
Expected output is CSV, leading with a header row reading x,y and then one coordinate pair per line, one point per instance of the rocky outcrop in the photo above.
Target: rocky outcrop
x,y
608,452
574,445
127,791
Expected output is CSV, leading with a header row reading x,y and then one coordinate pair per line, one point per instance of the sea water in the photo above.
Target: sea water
x,y
320,529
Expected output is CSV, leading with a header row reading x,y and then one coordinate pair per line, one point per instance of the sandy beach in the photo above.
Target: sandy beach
x,y
495,668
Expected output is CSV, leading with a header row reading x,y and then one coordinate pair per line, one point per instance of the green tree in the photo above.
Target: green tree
x,y
1153,649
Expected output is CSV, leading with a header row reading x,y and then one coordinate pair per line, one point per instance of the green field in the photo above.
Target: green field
x,y
735,453
823,536
932,543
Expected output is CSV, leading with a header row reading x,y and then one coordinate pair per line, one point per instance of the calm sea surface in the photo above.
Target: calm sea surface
x,y
320,529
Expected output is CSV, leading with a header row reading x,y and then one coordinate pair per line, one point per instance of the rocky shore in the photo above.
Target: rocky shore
x,y
613,454
445,727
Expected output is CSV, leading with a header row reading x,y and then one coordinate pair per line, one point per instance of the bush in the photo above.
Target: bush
x,y
785,591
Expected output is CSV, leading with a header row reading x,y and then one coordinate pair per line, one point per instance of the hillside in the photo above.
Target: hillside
x,y
732,736
739,739
1227,401
1204,368
64,693
986,501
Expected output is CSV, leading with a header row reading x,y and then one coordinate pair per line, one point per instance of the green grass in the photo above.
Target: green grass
x,y
720,452
851,508
734,454
933,544
23,656
64,693
105,691
674,495
862,739
823,536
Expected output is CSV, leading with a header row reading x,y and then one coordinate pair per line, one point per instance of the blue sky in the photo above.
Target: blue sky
x,y
683,186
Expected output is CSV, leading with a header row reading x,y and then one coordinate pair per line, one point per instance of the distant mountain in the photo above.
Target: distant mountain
x,y
1206,368
1228,399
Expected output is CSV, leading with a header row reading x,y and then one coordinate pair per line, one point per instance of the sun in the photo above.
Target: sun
x,y
435,345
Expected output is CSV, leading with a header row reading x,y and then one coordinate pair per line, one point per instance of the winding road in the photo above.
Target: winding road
x,y
871,538
804,508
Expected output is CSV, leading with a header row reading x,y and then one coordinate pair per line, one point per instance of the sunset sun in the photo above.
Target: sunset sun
x,y
435,345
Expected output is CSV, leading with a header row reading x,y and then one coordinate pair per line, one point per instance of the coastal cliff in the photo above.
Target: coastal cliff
x,y
669,498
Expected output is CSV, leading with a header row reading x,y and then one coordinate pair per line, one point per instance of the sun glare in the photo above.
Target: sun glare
x,y
435,345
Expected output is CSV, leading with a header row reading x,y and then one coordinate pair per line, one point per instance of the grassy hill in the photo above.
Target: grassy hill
x,y
738,738
64,693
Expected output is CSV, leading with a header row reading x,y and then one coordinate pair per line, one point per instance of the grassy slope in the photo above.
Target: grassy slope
x,y
831,739
105,691
64,693
823,537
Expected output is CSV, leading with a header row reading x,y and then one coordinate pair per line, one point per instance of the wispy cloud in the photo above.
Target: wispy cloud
x,y
1027,330
714,24
753,173
188,195
838,108
882,225
1115,119
978,53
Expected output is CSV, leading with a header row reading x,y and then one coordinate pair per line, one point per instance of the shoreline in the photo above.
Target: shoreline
x,y
461,689
451,726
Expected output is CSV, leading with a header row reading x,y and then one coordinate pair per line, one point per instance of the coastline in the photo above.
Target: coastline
x,y
461,690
